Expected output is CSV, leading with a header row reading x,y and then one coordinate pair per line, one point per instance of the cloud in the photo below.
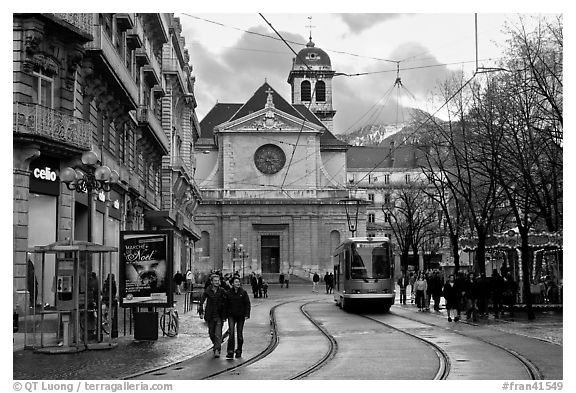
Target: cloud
x,y
357,23
235,74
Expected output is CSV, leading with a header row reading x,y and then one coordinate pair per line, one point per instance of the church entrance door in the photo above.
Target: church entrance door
x,y
270,252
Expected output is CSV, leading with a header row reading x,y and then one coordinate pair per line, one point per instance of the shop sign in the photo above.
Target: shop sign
x,y
44,174
146,261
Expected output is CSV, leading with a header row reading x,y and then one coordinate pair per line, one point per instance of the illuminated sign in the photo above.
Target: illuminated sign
x,y
44,174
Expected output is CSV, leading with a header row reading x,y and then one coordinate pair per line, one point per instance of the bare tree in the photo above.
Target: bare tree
x,y
412,219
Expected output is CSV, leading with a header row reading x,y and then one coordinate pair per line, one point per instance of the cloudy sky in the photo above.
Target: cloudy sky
x,y
232,55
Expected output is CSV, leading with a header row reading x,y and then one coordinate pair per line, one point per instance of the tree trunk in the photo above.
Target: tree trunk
x,y
480,257
456,253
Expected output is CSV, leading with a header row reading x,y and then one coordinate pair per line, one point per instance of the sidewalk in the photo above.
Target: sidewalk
x,y
129,357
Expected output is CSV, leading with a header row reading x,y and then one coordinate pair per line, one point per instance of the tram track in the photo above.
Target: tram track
x,y
443,358
333,346
274,341
531,368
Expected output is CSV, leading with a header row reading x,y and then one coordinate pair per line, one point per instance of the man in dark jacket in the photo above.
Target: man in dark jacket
x,y
471,294
496,287
215,313
403,284
238,310
435,287
451,294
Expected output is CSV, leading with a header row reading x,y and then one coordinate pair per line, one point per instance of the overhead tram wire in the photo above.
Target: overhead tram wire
x,y
282,39
430,116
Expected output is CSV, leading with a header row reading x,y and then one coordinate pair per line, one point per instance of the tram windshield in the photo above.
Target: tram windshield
x,y
369,261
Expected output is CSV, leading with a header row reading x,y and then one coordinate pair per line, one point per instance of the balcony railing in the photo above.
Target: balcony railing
x,y
172,66
82,22
320,193
102,43
179,162
36,120
145,116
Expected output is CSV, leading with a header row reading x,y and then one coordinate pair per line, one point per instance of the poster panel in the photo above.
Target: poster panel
x,y
145,271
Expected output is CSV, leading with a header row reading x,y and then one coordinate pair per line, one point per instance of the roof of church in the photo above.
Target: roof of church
x,y
222,113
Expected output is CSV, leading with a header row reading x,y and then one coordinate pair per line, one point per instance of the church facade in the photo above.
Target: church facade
x,y
272,175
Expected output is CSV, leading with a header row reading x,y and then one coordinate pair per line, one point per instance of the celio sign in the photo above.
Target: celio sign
x,y
44,174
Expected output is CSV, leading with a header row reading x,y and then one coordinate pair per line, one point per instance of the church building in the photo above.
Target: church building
x,y
272,175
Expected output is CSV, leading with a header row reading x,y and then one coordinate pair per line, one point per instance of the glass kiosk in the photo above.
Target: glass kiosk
x,y
79,319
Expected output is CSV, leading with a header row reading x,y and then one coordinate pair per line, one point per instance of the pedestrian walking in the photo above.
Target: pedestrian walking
x,y
315,281
435,285
412,280
509,293
496,289
451,294
254,284
331,283
403,283
260,285
429,284
483,295
264,288
281,280
326,281
237,305
471,295
420,288
215,312
178,280
189,280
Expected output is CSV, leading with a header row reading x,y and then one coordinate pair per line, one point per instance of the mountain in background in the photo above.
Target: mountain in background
x,y
378,134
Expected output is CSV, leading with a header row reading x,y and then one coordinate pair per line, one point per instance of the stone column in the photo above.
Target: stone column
x,y
22,157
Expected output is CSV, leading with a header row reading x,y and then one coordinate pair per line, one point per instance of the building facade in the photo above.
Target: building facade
x,y
116,84
272,175
383,176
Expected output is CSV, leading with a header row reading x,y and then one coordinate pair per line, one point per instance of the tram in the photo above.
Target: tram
x,y
364,274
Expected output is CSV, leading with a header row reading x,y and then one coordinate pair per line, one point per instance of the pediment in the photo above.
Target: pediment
x,y
267,120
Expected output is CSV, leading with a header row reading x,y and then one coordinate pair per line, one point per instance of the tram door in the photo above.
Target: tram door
x,y
270,251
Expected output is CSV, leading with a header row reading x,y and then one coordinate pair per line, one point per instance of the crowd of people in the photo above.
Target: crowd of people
x,y
469,293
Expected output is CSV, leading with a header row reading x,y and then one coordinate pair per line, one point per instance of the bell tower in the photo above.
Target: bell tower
x,y
311,82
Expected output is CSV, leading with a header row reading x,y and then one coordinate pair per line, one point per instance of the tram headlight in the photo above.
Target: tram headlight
x,y
356,291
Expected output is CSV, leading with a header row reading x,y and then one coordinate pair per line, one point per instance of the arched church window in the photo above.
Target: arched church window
x,y
320,91
205,243
305,91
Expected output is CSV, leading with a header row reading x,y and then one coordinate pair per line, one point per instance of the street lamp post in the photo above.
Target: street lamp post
x,y
243,254
233,249
351,206
89,176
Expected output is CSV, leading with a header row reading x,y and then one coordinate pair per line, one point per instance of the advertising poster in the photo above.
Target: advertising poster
x,y
145,268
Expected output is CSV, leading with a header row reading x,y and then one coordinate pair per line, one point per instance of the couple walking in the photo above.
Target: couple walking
x,y
232,305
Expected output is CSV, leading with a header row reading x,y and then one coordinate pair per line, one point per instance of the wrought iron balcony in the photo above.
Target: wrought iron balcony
x,y
82,22
38,121
145,116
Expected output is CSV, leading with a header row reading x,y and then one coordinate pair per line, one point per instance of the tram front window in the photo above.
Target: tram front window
x,y
369,262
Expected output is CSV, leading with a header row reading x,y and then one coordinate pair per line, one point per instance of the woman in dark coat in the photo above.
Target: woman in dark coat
x,y
238,310
451,293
